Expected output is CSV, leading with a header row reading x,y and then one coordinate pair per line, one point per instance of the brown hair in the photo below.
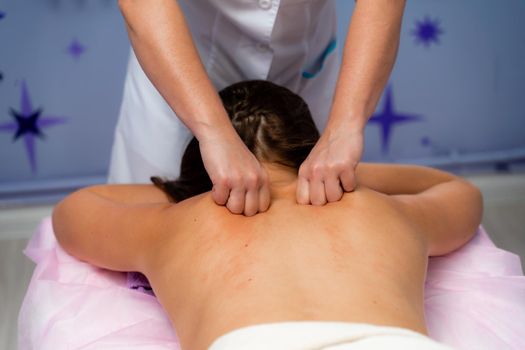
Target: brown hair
x,y
273,122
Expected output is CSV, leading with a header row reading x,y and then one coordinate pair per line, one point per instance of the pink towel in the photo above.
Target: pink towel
x,y
474,299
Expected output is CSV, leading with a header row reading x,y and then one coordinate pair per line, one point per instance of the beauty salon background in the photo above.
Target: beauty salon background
x,y
456,93
459,81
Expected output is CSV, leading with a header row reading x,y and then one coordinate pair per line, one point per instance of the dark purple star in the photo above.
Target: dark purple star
x,y
1,76
388,118
427,31
76,49
2,14
28,123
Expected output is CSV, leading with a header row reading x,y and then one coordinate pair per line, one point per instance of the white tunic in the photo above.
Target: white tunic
x,y
289,42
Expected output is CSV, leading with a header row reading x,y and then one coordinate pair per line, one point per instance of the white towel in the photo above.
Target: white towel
x,y
314,335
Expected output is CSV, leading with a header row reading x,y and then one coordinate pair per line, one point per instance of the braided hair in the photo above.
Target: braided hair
x,y
273,122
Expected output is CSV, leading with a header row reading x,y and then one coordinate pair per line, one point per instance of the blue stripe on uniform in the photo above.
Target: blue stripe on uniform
x,y
317,66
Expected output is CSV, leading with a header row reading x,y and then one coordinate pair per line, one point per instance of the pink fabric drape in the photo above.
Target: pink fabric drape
x,y
474,299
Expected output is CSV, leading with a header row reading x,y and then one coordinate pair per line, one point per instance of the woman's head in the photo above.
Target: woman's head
x,y
273,122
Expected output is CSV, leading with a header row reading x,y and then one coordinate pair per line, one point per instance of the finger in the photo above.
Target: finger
x,y
302,191
333,189
236,200
220,194
264,198
251,202
348,180
317,193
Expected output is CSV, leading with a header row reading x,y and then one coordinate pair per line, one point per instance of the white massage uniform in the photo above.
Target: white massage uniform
x,y
289,42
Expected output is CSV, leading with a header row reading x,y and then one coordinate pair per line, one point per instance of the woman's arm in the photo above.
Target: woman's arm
x,y
164,47
368,57
112,226
445,208
393,179
130,194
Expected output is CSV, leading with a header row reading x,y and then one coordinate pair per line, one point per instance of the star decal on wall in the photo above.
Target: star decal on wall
x,y
425,141
28,123
427,31
2,14
388,118
76,49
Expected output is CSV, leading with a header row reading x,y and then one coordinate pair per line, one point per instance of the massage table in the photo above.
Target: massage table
x,y
474,299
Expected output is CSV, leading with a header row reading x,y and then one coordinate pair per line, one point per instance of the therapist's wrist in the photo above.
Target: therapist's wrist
x,y
348,124
211,124
217,131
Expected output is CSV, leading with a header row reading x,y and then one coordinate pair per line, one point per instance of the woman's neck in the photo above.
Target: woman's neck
x,y
282,179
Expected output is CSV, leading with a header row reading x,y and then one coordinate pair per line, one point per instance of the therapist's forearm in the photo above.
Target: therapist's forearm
x,y
163,44
368,58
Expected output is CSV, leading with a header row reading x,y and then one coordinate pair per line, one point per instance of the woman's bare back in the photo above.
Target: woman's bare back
x,y
362,259
357,260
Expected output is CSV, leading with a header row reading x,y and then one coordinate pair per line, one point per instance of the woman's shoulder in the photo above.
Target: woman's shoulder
x,y
200,208
363,195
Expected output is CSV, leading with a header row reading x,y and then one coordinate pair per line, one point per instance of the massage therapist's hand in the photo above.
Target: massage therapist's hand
x,y
330,165
239,180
